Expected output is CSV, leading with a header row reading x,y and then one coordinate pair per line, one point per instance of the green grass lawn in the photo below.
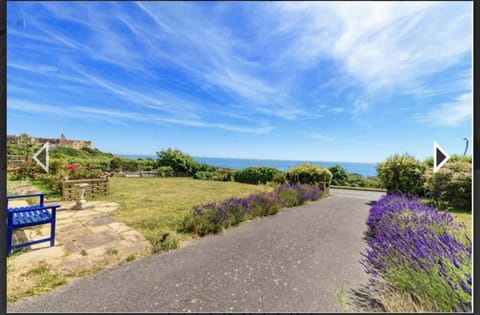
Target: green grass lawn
x,y
154,206
466,218
460,215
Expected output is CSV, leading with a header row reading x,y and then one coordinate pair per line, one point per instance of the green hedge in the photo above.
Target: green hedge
x,y
402,173
220,174
165,171
181,163
339,175
308,173
256,175
450,188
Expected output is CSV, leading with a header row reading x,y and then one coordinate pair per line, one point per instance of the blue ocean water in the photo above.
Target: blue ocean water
x,y
365,169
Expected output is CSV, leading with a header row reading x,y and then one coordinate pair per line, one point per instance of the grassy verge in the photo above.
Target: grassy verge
x,y
466,218
37,280
154,206
44,188
460,215
359,188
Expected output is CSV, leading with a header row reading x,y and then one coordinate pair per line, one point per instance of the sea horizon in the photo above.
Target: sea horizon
x,y
363,168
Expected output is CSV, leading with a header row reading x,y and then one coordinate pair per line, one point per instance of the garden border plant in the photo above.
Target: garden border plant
x,y
422,253
213,217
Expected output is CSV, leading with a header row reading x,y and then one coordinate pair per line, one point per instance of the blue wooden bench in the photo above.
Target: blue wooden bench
x,y
37,214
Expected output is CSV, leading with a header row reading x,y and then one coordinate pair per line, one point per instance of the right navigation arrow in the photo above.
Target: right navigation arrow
x,y
440,157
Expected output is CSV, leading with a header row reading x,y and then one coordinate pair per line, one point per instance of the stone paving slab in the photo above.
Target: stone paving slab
x,y
16,203
85,241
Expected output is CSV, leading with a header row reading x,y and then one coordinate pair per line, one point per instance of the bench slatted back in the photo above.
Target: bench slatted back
x,y
21,217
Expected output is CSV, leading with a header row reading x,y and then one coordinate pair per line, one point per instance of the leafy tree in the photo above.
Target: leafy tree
x,y
339,175
402,173
180,162
373,182
116,163
355,180
148,164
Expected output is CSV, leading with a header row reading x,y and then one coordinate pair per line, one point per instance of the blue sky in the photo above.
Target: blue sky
x,y
320,81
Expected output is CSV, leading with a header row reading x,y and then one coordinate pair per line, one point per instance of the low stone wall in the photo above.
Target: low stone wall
x,y
96,187
14,161
142,174
324,187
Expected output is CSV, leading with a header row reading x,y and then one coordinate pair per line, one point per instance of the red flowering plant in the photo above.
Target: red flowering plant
x,y
28,169
60,172
72,166
77,171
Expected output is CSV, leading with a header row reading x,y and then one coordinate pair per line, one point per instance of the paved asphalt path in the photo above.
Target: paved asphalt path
x,y
293,261
360,194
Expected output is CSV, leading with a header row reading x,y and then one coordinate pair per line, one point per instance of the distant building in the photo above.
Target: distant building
x,y
44,140
21,139
63,141
11,139
76,144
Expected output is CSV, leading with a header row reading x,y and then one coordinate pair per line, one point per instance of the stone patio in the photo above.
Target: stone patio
x,y
86,240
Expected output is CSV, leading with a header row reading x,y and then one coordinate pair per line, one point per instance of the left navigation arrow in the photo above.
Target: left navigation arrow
x,y
41,157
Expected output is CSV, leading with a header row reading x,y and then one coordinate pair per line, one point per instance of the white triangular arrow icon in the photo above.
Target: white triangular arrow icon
x,y
440,157
35,157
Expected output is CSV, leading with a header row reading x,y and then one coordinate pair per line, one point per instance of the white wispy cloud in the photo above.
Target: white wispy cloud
x,y
76,112
202,124
42,69
331,109
451,113
30,37
336,109
118,116
165,34
359,106
321,137
381,43
379,47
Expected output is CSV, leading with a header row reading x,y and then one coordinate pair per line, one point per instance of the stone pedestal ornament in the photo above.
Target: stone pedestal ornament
x,y
82,203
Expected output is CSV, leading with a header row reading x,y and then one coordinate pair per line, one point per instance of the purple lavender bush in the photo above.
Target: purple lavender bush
x,y
420,251
235,209
393,203
309,193
290,194
212,217
297,194
263,204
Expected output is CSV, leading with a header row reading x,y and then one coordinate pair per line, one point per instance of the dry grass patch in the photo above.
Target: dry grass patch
x,y
37,280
